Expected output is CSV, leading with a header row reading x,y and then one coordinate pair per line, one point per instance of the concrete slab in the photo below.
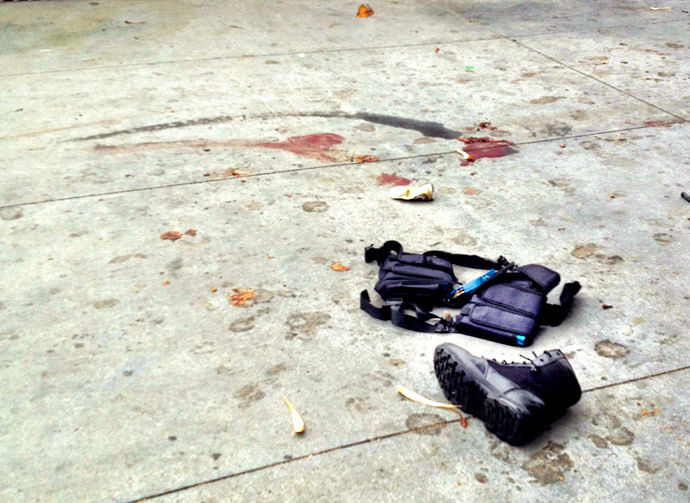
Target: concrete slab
x,y
74,34
127,371
100,131
582,20
650,62
104,363
612,444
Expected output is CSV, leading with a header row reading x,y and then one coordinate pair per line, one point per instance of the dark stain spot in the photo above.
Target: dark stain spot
x,y
397,362
622,436
119,259
242,325
463,239
609,349
315,206
281,367
655,124
547,466
614,259
216,455
172,438
249,394
600,442
584,251
357,404
558,130
11,213
79,345
647,466
288,457
480,477
674,46
305,323
663,238
415,421
428,129
682,486
174,265
272,62
127,373
103,304
590,145
386,179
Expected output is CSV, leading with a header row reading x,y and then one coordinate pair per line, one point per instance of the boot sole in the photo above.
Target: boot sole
x,y
463,385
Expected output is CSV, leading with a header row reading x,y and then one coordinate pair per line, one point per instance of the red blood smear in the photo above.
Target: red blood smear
x,y
479,149
386,179
315,146
655,124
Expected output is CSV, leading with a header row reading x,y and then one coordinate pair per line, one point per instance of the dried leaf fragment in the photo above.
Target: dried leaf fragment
x,y
212,290
365,11
337,266
235,173
297,422
415,397
365,158
166,282
486,125
171,235
240,297
135,22
191,232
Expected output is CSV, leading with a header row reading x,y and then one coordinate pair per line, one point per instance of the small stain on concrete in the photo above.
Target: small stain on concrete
x,y
216,455
663,238
548,465
621,436
104,304
305,323
11,213
249,394
609,349
600,442
583,251
315,206
463,239
647,466
242,325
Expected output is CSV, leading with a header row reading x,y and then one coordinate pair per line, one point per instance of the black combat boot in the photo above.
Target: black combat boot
x,y
516,401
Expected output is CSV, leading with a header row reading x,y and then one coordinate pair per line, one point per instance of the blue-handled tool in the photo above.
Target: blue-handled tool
x,y
476,283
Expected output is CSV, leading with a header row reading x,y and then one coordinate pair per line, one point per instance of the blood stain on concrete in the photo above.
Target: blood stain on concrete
x,y
315,146
386,179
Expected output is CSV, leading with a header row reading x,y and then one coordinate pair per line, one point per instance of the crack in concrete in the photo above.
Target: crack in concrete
x,y
363,442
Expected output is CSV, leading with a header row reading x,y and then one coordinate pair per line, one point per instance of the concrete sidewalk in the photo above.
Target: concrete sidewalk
x,y
128,375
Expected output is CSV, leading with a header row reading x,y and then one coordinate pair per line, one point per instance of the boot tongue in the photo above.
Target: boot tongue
x,y
521,375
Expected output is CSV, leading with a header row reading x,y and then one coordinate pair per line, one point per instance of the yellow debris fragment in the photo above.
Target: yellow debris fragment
x,y
297,422
415,397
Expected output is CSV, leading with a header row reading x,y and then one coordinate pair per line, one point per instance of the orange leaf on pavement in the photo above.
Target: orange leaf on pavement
x,y
366,158
365,11
171,235
337,266
191,232
240,297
